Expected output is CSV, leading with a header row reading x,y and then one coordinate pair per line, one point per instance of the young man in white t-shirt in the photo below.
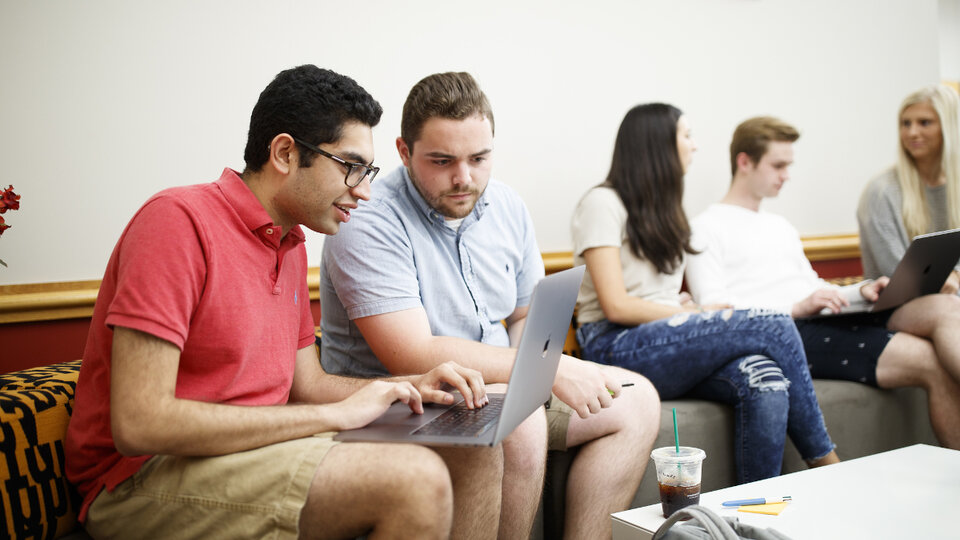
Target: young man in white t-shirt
x,y
750,258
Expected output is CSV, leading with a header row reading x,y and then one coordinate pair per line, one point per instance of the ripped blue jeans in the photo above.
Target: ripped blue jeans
x,y
750,359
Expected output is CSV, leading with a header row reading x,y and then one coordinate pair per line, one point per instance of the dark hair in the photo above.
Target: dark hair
x,y
311,104
647,175
445,95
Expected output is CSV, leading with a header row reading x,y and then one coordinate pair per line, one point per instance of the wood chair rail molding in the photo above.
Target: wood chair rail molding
x,y
75,299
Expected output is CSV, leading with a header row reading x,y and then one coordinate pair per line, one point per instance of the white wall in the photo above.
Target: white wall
x,y
104,102
949,15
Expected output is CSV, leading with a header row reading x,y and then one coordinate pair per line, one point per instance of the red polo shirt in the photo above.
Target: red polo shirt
x,y
204,268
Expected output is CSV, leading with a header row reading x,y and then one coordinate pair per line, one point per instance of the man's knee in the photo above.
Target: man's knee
x,y
362,486
423,471
481,464
387,471
526,448
638,405
943,308
949,303
908,360
926,315
642,395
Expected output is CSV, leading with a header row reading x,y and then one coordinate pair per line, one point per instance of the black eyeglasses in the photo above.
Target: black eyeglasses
x,y
356,172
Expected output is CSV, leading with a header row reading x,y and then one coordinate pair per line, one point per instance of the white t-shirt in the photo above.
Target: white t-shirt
x,y
600,221
750,259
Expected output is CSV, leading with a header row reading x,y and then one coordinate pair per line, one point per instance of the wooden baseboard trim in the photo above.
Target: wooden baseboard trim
x,y
47,301
832,247
817,248
75,299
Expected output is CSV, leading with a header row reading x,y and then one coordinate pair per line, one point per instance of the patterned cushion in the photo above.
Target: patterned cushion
x,y
848,280
35,406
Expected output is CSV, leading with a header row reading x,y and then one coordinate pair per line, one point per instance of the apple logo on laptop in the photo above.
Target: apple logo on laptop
x,y
546,346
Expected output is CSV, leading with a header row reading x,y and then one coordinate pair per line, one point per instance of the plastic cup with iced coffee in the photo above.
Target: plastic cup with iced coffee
x,y
678,475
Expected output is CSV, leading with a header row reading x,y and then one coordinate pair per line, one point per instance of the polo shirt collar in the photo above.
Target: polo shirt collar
x,y
251,212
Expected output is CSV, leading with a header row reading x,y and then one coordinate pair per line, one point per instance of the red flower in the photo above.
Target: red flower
x,y
9,200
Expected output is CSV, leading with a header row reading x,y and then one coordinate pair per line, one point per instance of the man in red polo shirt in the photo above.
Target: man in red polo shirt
x,y
202,410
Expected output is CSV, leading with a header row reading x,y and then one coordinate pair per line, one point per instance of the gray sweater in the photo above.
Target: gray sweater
x,y
883,237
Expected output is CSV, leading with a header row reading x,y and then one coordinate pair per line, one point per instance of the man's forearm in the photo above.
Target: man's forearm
x,y
495,363
193,428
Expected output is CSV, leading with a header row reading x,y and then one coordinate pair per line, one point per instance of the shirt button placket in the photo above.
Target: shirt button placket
x,y
469,278
275,274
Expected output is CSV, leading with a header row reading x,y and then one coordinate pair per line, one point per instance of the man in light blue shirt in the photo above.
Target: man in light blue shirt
x,y
466,279
439,259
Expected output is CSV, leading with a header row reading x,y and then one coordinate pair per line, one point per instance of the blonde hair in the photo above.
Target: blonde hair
x,y
944,101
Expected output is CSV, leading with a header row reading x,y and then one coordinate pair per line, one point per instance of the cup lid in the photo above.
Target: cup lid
x,y
687,454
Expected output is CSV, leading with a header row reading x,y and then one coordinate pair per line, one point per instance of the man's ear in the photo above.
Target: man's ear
x,y
744,162
283,152
404,151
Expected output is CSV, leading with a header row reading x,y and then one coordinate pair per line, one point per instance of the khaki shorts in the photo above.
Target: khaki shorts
x,y
254,494
558,420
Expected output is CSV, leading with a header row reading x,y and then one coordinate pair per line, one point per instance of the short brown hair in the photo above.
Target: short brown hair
x,y
753,136
444,95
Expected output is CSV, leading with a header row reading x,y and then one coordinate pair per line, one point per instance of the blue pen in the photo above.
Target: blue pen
x,y
761,500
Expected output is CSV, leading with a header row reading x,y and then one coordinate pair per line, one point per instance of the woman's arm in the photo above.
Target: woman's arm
x,y
618,306
883,239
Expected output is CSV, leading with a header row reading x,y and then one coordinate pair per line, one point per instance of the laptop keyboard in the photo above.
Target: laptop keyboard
x,y
461,421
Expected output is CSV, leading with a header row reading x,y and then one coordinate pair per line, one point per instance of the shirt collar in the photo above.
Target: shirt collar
x,y
251,212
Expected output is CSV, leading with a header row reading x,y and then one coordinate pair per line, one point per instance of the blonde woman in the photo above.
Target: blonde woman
x,y
921,193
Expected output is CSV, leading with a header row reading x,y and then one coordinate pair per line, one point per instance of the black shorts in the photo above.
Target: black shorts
x,y
845,347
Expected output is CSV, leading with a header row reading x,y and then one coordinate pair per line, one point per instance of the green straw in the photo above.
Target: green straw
x,y
676,443
676,434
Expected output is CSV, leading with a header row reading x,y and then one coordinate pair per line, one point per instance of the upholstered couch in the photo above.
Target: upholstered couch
x,y
35,406
38,503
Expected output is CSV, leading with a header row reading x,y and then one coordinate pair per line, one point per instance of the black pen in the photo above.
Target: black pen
x,y
624,385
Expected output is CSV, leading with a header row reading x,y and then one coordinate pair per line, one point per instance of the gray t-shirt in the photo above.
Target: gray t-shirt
x,y
883,237
397,253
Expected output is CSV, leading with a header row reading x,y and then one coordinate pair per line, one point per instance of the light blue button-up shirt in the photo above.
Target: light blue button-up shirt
x,y
397,253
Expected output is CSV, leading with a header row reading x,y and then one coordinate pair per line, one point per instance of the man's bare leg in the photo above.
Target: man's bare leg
x,y
909,360
935,317
616,445
477,475
524,463
384,490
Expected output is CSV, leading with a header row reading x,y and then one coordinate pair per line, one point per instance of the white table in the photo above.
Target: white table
x,y
911,492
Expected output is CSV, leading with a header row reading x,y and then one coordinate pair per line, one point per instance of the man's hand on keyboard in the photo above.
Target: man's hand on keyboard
x,y
871,289
821,300
469,382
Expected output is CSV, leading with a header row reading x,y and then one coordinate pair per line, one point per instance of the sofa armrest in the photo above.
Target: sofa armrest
x,y
35,407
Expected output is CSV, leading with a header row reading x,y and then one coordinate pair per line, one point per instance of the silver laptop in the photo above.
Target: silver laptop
x,y
922,271
531,380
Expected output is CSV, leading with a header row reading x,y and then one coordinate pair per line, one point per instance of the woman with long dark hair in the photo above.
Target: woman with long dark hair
x,y
632,233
